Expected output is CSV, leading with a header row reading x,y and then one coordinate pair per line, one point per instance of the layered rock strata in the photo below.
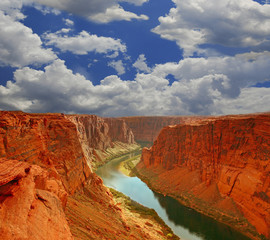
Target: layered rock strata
x,y
146,129
48,189
47,140
97,134
219,166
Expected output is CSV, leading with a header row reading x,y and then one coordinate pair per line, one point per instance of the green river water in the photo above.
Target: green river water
x,y
185,222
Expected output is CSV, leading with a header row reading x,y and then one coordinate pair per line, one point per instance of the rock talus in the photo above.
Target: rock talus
x,y
221,163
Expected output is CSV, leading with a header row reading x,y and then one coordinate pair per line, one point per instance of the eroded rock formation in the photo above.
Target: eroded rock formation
x,y
47,140
96,135
219,166
48,189
29,199
146,129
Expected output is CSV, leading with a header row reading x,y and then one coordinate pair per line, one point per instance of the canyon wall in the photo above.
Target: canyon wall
x,y
219,166
119,130
146,129
48,140
41,164
97,134
48,189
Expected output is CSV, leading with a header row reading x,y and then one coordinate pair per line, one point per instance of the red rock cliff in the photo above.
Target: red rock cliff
x,y
47,187
218,164
146,129
47,140
96,133
41,163
119,130
29,199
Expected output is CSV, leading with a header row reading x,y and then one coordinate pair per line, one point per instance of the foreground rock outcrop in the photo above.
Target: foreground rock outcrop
x,y
218,166
48,189
28,200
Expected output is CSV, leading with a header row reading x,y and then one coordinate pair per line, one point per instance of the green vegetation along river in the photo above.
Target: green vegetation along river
x,y
185,222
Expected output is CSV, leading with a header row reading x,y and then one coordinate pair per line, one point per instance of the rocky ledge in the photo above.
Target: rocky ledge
x,y
48,188
219,166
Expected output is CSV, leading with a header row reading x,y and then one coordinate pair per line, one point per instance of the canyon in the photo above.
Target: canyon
x,y
47,178
146,129
217,165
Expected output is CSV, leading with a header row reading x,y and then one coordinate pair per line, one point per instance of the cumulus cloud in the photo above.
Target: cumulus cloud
x,y
116,13
12,8
68,22
250,100
19,46
141,64
84,43
46,10
232,23
45,90
118,66
102,11
219,85
213,85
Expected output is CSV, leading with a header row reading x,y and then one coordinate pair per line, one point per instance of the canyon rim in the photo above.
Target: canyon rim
x,y
218,166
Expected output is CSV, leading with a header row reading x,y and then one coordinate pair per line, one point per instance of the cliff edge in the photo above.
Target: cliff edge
x,y
48,188
218,166
146,129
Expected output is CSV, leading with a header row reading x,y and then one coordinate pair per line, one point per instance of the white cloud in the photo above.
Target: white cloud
x,y
232,23
46,10
141,64
84,43
219,85
214,85
250,100
19,46
12,8
102,11
116,13
54,88
68,22
135,2
118,66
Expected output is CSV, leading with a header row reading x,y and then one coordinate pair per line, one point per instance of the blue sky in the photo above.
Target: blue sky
x,y
135,57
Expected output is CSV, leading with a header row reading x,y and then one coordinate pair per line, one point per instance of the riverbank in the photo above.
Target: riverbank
x,y
149,217
235,221
126,167
134,214
120,218
119,149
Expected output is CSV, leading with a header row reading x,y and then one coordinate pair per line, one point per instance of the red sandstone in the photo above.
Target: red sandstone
x,y
46,161
146,129
223,161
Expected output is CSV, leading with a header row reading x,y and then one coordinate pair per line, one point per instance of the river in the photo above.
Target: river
x,y
185,222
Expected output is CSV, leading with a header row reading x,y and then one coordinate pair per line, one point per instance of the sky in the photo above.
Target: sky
x,y
135,57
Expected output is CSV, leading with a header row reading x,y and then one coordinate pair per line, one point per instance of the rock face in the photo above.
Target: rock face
x,y
47,140
219,166
119,130
48,189
28,201
98,134
146,129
